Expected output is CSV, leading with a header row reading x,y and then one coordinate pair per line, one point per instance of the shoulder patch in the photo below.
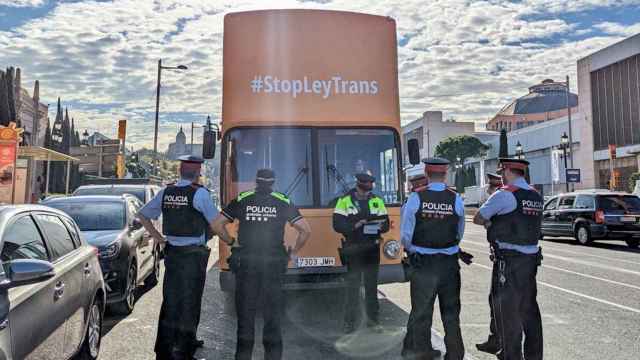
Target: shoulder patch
x,y
245,194
281,197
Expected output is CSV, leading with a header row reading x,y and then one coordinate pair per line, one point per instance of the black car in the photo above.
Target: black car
x,y
127,253
594,215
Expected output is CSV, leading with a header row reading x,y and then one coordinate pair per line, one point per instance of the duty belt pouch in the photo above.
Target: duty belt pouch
x,y
539,256
235,259
406,267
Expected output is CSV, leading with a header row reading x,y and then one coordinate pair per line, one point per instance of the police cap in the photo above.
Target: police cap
x,y
436,164
510,163
265,175
191,159
364,177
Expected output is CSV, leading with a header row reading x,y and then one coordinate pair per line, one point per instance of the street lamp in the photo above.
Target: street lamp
x,y
564,145
155,134
519,152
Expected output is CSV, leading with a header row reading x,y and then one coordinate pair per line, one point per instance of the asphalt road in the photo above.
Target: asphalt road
x,y
589,298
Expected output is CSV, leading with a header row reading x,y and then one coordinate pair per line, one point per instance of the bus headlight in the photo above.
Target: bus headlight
x,y
391,249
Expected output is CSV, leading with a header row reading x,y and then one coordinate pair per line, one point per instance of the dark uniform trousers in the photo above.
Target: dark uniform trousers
x,y
259,284
362,268
493,328
184,280
517,309
434,276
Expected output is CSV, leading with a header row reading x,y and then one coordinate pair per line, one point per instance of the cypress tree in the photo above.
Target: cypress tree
x,y
11,93
5,116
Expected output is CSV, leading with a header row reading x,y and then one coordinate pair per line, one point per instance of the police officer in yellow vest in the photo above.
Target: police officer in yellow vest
x,y
361,217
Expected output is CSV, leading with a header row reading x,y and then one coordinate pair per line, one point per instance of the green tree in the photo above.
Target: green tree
x,y
462,147
504,144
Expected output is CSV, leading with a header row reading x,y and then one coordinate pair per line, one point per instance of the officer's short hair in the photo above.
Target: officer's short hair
x,y
189,173
436,175
517,172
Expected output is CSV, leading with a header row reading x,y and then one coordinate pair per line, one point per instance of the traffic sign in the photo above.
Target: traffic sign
x,y
573,175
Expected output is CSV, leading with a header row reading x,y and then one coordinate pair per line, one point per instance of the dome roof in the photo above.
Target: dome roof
x,y
545,97
181,137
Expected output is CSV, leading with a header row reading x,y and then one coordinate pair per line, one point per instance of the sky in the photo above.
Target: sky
x,y
465,58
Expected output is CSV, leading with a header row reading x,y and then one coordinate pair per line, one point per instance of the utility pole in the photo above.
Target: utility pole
x,y
191,148
569,119
155,133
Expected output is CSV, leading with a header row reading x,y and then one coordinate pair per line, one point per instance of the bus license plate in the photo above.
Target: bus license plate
x,y
316,261
628,219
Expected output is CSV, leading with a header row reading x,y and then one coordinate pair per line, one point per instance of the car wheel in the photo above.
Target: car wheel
x,y
90,348
125,306
633,243
583,235
154,278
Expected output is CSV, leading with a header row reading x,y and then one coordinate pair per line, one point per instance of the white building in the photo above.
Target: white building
x,y
609,88
430,129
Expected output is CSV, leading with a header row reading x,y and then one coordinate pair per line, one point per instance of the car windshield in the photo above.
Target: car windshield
x,y
111,190
618,202
94,216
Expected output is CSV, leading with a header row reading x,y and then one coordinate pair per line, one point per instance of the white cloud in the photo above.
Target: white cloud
x,y
22,3
467,58
618,29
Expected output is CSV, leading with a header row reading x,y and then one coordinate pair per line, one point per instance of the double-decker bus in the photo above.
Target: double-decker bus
x,y
312,95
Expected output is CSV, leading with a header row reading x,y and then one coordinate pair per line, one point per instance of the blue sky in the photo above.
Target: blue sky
x,y
466,58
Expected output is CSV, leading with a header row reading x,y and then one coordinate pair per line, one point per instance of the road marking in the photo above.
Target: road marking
x,y
583,275
554,248
563,258
575,293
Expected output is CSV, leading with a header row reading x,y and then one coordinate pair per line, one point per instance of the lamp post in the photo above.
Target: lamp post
x,y
519,151
564,144
155,134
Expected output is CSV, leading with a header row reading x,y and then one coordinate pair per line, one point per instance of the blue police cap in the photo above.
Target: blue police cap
x,y
265,175
191,159
436,164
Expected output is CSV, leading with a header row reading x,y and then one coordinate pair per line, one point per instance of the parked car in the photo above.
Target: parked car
x,y
127,253
593,215
52,295
143,191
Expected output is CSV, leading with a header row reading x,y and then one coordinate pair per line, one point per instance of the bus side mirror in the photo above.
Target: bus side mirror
x,y
209,144
414,151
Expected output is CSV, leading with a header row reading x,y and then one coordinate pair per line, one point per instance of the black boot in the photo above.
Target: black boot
x,y
490,346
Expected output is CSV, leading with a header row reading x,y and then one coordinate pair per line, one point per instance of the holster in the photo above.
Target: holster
x,y
349,249
539,256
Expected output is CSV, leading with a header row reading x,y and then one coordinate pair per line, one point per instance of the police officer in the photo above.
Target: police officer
x,y
431,228
187,212
260,260
492,345
514,215
361,217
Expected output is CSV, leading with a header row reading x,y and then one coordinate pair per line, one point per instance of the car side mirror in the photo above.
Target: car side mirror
x,y
28,271
209,144
413,148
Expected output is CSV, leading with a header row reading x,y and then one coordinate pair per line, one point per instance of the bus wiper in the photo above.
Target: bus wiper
x,y
296,181
333,171
303,172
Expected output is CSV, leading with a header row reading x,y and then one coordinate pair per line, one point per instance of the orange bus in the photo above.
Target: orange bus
x,y
314,96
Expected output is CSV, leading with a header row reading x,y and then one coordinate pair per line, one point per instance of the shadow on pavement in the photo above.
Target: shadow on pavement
x,y
616,245
312,328
111,319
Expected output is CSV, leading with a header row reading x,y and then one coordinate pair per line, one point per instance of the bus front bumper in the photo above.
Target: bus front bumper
x,y
314,278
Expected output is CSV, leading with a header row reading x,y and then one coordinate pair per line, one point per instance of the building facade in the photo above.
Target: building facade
x,y
430,129
538,142
609,87
180,147
545,101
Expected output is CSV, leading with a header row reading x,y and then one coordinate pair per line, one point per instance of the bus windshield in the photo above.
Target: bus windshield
x,y
291,153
